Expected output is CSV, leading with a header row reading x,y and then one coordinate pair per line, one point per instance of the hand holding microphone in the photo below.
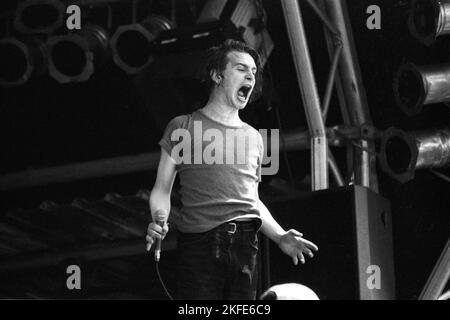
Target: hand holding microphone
x,y
156,231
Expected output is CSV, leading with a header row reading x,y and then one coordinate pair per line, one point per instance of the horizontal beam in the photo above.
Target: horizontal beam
x,y
299,140
89,253
79,171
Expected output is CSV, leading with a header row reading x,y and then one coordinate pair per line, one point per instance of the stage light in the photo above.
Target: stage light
x,y
403,153
74,57
416,86
132,44
247,15
21,60
429,19
39,16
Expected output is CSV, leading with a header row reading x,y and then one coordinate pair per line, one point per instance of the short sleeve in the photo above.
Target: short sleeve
x,y
176,123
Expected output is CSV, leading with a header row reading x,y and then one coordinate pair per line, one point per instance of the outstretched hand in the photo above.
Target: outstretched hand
x,y
296,247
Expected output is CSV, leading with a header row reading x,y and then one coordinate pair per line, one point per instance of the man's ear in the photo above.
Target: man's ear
x,y
217,78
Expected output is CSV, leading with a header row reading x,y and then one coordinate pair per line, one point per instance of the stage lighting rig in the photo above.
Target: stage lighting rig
x,y
73,57
429,19
21,60
416,86
402,153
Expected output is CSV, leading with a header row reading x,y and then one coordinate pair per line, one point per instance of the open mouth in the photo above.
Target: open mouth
x,y
244,91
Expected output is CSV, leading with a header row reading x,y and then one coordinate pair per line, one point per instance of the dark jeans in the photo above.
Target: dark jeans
x,y
219,264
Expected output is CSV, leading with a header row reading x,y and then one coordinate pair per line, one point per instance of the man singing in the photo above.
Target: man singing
x,y
221,210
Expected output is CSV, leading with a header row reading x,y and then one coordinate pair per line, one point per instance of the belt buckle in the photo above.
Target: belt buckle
x,y
234,225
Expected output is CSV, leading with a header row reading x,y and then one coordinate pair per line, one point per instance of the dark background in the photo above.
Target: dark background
x,y
44,123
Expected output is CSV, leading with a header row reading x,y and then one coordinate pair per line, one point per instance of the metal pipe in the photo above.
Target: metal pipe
x,y
301,140
127,164
96,252
132,44
74,57
429,19
305,76
443,25
22,59
433,148
79,171
440,175
330,82
323,17
335,169
439,276
402,153
416,86
445,295
351,90
39,16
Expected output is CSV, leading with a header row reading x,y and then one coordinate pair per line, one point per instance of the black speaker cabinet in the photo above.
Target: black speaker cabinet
x,y
353,230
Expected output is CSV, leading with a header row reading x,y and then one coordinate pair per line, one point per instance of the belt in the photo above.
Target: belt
x,y
246,225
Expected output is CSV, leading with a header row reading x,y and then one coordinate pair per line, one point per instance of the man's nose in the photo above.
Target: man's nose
x,y
250,76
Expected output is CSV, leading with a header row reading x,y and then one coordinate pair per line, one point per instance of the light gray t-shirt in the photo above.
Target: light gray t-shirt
x,y
219,167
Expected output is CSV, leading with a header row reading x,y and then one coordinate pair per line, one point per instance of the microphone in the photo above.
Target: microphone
x,y
159,220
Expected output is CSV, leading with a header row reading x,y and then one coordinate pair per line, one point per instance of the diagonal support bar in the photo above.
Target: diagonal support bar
x,y
439,276
351,92
326,21
330,82
307,83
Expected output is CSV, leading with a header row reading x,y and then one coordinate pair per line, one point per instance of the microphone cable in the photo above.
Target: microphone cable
x,y
161,280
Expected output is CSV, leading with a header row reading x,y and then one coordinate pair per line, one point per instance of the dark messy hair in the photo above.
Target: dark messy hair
x,y
217,58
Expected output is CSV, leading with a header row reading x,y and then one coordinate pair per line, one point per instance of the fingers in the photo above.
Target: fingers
x,y
308,252
301,257
310,245
307,243
298,257
153,227
299,247
154,234
307,247
295,232
155,231
149,242
300,253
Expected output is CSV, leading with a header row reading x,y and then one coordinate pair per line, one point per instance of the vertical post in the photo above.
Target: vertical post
x,y
351,91
307,83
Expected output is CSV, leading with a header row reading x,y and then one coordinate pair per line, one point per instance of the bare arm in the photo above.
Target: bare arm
x,y
160,195
160,198
291,242
269,227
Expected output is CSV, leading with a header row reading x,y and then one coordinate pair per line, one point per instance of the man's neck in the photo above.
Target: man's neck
x,y
222,113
